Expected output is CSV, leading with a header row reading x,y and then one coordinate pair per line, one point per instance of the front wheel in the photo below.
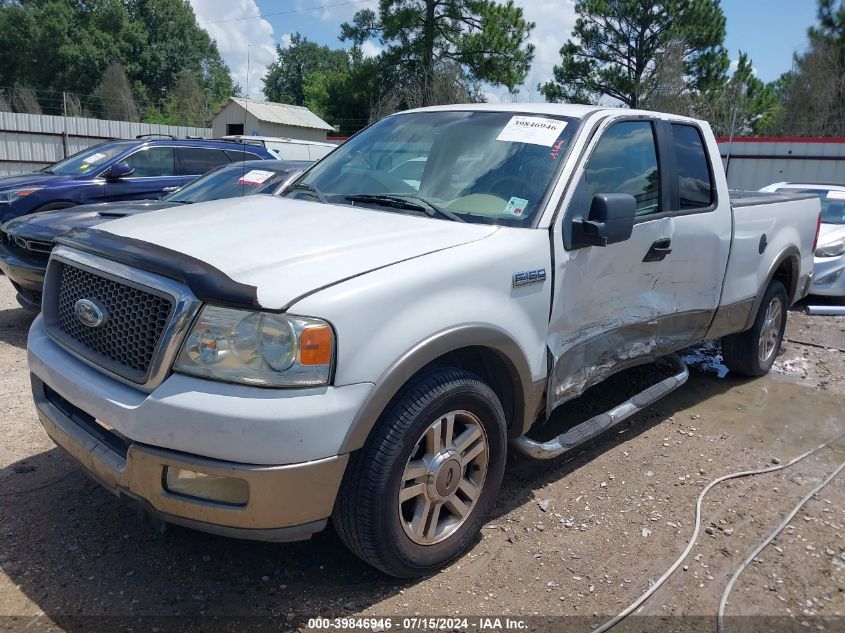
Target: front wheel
x,y
416,495
752,353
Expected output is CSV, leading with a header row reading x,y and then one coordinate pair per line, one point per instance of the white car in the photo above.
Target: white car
x,y
368,350
829,267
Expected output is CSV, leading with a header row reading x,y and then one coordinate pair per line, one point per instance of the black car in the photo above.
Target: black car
x,y
26,242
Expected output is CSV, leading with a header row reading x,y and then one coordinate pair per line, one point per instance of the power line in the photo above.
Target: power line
x,y
267,15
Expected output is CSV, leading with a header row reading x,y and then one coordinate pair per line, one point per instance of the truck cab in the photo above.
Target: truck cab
x,y
369,347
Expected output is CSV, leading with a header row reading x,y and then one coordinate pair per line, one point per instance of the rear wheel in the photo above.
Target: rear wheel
x,y
416,495
752,353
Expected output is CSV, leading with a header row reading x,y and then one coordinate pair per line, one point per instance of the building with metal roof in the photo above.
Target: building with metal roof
x,y
265,118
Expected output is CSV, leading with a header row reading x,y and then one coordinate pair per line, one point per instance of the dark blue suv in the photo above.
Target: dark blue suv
x,y
119,170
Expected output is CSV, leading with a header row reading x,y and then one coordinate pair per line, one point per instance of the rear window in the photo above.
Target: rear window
x,y
199,160
695,181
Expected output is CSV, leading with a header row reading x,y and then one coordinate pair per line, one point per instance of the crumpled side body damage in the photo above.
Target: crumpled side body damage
x,y
591,356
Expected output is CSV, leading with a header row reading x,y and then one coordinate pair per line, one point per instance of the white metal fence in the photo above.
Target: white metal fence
x,y
752,163
32,141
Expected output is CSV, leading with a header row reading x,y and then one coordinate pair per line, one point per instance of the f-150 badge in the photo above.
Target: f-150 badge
x,y
527,277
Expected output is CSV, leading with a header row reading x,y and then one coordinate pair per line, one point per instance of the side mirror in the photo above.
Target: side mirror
x,y
118,171
611,220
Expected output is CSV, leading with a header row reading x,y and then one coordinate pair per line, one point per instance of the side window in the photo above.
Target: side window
x,y
695,182
237,156
153,161
194,161
625,161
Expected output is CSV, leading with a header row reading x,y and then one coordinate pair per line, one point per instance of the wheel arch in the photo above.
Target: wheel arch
x,y
485,350
786,269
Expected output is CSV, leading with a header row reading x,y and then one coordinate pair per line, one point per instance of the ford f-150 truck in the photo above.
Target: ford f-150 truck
x,y
367,347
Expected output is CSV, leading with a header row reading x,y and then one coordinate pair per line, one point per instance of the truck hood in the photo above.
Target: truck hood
x,y
831,233
46,225
289,248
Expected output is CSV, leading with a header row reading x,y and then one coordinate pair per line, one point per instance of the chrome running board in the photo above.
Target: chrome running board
x,y
596,425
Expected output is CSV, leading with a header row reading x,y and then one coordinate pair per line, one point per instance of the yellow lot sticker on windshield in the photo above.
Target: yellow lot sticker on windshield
x,y
84,166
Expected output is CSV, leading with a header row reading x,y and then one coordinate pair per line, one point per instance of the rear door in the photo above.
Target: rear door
x,y
606,305
192,162
701,236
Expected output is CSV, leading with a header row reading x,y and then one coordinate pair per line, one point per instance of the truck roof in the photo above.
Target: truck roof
x,y
576,111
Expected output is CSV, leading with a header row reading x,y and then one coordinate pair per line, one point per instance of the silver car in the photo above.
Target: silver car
x,y
829,268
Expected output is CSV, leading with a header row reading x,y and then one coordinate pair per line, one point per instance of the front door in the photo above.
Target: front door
x,y
155,175
609,305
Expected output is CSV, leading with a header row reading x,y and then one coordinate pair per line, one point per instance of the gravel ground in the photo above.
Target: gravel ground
x,y
579,537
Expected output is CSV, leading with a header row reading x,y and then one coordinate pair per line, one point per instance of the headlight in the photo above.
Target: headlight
x,y
10,196
258,348
831,250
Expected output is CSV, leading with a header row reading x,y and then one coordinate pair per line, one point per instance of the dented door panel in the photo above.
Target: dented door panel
x,y
607,310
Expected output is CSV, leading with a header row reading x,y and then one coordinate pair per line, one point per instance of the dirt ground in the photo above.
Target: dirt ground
x,y
572,541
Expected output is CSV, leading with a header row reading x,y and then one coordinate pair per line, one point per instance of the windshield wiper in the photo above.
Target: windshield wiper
x,y
310,189
406,202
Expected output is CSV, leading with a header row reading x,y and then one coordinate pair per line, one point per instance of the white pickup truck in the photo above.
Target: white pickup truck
x,y
367,348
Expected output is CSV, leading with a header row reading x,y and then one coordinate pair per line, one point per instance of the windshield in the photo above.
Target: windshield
x,y
486,167
230,181
833,203
90,159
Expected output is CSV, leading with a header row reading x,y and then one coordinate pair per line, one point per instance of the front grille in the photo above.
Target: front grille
x,y
36,246
22,247
127,341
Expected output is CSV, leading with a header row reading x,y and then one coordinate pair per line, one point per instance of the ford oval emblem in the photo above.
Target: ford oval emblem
x,y
90,313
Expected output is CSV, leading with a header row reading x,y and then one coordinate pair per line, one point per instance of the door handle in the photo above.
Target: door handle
x,y
658,251
169,189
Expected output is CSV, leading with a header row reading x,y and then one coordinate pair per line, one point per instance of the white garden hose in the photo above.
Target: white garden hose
x,y
720,624
745,473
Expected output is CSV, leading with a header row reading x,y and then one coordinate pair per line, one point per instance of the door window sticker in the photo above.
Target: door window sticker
x,y
836,195
255,177
532,129
516,207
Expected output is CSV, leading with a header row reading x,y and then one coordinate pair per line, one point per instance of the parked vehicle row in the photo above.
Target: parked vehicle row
x,y
26,242
137,169
366,347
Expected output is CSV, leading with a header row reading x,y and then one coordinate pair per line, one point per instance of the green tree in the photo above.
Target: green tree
x,y
286,77
115,95
485,40
67,45
744,106
617,44
346,98
813,92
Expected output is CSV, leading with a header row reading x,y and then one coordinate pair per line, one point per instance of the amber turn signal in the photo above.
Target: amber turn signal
x,y
315,345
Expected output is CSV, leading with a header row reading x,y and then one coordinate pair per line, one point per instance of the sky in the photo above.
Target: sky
x,y
770,31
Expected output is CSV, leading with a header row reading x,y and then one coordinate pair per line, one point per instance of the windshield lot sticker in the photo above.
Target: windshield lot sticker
x,y
532,129
516,207
836,195
255,177
93,158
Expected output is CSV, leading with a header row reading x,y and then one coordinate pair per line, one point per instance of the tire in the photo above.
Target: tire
x,y
405,538
752,353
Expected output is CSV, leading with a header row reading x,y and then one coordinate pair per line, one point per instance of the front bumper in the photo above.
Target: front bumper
x,y
126,439
26,274
829,276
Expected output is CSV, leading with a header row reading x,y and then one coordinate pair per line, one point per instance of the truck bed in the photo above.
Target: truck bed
x,y
767,227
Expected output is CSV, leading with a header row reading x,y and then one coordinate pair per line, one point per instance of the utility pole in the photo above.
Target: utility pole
x,y
64,121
